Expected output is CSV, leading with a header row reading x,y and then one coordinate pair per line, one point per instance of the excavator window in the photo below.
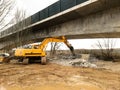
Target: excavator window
x,y
27,47
35,47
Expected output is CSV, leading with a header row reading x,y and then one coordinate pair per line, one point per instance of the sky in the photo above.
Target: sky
x,y
33,6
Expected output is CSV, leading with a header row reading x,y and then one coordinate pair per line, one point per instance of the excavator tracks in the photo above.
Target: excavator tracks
x,y
43,60
25,61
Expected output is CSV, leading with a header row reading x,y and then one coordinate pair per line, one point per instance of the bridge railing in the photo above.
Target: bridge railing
x,y
55,8
51,10
16,27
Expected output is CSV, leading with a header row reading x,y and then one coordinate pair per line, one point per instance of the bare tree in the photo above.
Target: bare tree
x,y
20,23
106,47
19,15
54,47
6,7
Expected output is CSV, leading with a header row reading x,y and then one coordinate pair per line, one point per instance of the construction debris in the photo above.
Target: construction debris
x,y
74,62
83,63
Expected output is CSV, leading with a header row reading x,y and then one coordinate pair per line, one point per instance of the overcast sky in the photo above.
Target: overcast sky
x,y
33,6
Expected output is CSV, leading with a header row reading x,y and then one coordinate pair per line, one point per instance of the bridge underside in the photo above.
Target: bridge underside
x,y
99,19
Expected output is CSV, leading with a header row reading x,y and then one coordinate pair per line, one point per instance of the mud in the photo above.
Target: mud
x,y
56,77
55,87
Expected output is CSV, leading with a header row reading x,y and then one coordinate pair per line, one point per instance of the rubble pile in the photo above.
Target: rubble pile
x,y
80,60
82,63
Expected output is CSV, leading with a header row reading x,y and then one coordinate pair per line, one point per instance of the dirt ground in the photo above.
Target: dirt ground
x,y
57,77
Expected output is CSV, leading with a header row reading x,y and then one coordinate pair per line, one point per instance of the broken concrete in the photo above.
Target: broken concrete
x,y
82,63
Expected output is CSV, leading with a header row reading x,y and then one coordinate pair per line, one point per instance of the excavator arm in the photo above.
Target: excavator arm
x,y
57,39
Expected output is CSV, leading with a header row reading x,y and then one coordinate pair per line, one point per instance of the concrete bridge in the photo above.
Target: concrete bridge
x,y
85,19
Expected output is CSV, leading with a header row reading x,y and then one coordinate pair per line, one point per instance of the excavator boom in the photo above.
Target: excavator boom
x,y
57,39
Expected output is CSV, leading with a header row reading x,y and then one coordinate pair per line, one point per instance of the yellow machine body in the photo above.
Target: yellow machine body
x,y
29,53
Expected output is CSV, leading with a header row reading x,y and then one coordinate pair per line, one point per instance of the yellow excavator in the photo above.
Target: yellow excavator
x,y
37,52
4,57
